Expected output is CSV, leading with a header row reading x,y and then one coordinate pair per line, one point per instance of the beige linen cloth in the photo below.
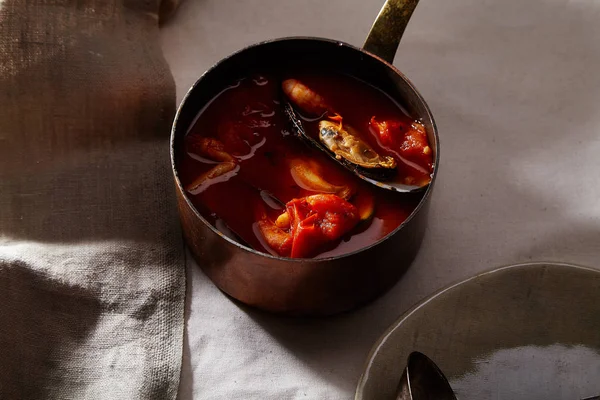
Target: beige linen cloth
x,y
92,276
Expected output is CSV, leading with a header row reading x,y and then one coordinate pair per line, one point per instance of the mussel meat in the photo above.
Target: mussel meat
x,y
347,145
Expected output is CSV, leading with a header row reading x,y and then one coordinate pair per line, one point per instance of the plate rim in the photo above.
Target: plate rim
x,y
358,394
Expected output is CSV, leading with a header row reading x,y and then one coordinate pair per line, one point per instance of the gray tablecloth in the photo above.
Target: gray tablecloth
x,y
514,88
92,276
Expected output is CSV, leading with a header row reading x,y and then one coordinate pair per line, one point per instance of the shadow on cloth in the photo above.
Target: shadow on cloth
x,y
39,342
80,121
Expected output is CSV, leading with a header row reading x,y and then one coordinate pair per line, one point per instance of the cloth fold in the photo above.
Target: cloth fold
x,y
92,281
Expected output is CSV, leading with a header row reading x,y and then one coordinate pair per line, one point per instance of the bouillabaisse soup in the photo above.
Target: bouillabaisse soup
x,y
256,182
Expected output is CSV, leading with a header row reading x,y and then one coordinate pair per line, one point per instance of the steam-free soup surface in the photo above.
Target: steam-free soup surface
x,y
248,175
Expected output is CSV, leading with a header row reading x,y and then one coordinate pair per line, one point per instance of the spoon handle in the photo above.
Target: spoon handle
x,y
388,28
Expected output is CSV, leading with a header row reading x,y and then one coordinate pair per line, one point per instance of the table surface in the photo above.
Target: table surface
x,y
515,91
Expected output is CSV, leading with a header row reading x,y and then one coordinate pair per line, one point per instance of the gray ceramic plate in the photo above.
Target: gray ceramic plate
x,y
528,331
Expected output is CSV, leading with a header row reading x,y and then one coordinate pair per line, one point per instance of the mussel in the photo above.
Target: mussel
x,y
344,147
380,169
339,140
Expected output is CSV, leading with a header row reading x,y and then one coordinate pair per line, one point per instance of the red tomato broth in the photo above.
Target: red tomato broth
x,y
267,146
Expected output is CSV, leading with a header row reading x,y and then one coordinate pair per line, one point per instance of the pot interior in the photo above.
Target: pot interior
x,y
294,53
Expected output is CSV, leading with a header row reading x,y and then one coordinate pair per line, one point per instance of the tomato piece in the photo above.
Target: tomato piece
x,y
390,132
407,141
305,238
318,220
415,145
314,222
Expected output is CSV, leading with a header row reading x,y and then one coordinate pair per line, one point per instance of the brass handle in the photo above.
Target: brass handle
x,y
387,30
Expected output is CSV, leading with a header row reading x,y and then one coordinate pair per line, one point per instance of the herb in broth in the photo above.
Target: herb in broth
x,y
242,168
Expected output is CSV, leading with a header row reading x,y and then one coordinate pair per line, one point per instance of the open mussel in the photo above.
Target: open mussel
x,y
339,140
345,147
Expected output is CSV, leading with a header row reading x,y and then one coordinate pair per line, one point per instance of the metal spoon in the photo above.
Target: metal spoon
x,y
300,132
423,380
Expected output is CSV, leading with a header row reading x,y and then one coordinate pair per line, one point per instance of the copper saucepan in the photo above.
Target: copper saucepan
x,y
309,286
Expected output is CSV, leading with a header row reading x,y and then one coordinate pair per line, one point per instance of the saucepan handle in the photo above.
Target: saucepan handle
x,y
387,30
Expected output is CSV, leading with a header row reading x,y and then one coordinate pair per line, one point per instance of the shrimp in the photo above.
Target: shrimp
x,y
209,147
304,97
278,239
276,234
214,150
